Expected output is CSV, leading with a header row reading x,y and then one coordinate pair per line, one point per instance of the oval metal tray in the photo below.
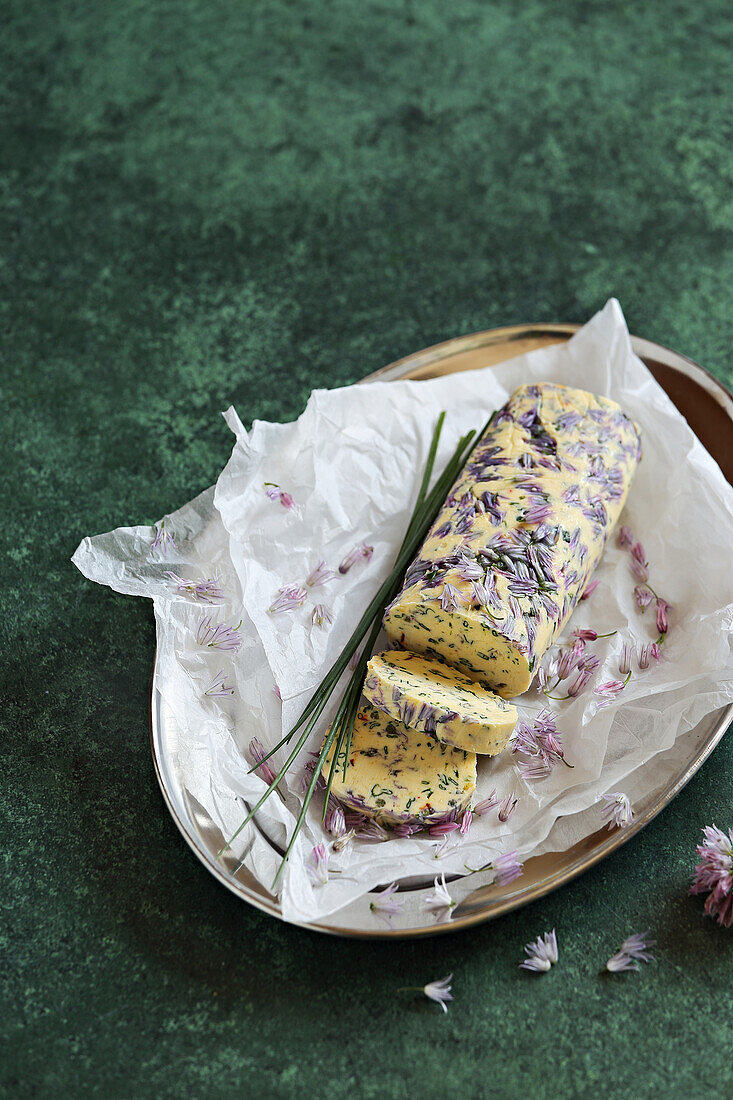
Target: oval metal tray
x,y
708,408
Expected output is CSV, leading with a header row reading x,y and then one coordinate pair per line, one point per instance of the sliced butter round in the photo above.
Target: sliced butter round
x,y
440,702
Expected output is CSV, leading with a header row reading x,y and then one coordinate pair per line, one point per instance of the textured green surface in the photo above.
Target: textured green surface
x,y
209,202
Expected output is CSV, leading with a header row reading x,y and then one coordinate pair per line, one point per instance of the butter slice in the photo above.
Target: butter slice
x,y
398,775
428,696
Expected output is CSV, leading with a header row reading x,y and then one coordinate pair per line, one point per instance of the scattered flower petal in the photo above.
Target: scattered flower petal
x,y
662,608
633,949
617,810
257,752
274,492
624,663
318,866
163,540
205,591
359,553
610,690
507,807
589,589
508,868
439,991
439,902
319,575
289,596
643,597
639,570
321,616
625,537
342,841
334,822
218,635
372,830
714,874
386,905
486,804
218,687
647,653
541,954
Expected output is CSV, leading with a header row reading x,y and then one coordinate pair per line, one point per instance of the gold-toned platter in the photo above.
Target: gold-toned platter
x,y
708,408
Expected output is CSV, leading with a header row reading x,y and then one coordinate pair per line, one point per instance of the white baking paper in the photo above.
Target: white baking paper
x,y
353,462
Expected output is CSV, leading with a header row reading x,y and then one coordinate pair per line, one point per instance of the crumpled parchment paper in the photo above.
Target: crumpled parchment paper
x,y
353,463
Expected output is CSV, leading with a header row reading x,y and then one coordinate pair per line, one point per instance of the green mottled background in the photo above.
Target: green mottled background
x,y
212,201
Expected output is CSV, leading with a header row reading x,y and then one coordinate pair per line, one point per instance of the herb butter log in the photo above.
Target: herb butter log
x,y
400,776
519,536
441,702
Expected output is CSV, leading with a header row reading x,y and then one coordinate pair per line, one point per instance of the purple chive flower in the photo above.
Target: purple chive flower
x,y
520,586
714,874
218,635
450,597
318,866
274,492
541,954
257,752
466,821
289,596
442,828
643,597
639,570
439,902
580,681
321,616
406,829
538,513
617,811
624,661
486,804
662,608
507,868
319,575
638,553
205,591
386,905
625,537
372,830
354,819
480,594
585,635
508,807
276,691
589,589
646,654
534,769
342,841
566,663
635,948
334,822
439,849
470,571
307,776
218,687
439,991
362,552
611,689
163,540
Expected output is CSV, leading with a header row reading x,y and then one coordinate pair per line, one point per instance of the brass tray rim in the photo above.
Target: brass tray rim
x,y
607,842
